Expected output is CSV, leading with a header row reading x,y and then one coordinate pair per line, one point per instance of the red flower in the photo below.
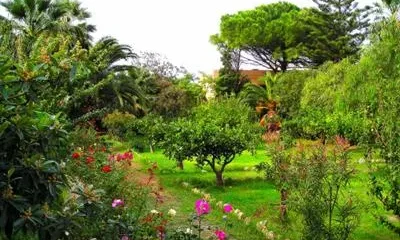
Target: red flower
x,y
76,155
128,155
89,160
106,169
119,157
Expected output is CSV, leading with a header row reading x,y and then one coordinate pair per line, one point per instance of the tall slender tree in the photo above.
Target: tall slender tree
x,y
335,30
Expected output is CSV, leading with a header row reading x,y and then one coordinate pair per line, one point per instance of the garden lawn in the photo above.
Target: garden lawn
x,y
247,190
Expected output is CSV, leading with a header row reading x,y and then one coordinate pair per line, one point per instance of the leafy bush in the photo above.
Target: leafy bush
x,y
318,192
288,91
385,83
117,123
34,144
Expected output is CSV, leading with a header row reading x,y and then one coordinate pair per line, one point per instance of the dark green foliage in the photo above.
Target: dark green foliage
x,y
335,31
229,81
34,143
288,90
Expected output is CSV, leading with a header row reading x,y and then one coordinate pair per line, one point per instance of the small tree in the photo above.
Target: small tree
x,y
215,133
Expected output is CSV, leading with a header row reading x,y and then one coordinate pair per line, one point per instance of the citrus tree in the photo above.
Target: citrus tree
x,y
213,135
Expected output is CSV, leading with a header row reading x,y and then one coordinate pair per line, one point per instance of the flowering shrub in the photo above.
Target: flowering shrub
x,y
120,210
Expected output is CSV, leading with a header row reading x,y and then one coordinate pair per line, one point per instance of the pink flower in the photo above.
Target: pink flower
x,y
202,207
228,208
221,235
111,157
117,203
125,237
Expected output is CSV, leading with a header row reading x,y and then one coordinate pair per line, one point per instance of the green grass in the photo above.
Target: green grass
x,y
247,190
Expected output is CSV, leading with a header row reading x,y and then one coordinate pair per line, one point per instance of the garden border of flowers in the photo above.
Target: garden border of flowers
x,y
260,225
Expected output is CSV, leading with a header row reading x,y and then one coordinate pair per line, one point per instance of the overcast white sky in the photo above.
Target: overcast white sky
x,y
178,29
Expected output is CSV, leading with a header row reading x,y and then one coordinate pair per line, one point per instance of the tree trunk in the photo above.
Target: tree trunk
x,y
151,148
283,207
179,164
219,178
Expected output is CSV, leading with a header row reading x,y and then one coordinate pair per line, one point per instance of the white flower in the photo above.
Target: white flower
x,y
66,233
261,224
188,230
195,190
154,211
361,160
206,196
185,184
172,212
270,235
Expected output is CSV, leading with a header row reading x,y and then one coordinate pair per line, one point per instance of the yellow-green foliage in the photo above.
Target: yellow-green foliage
x,y
118,122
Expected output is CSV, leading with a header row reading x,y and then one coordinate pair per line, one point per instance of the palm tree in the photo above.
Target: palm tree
x,y
262,97
34,17
114,83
